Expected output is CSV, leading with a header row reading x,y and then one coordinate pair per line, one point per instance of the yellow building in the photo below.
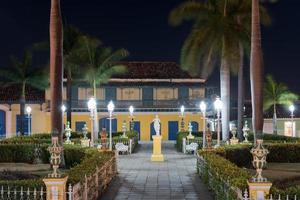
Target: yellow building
x,y
151,87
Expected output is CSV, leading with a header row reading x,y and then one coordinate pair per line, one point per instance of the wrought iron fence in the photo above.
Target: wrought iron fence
x,y
20,193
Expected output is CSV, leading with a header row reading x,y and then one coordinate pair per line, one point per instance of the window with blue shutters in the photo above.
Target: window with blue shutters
x,y
79,125
147,96
110,93
183,93
26,124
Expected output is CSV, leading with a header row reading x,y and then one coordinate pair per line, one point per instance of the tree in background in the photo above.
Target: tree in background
x,y
99,63
215,38
23,74
276,94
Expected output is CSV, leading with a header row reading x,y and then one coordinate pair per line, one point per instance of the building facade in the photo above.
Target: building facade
x,y
150,87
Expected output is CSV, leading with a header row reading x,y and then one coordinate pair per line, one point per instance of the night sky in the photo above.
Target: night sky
x,y
141,26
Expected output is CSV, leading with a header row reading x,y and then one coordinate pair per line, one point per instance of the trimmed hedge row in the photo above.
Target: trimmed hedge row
x,y
224,160
81,161
88,165
219,171
278,152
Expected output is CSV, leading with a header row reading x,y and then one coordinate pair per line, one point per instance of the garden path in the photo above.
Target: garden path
x,y
139,178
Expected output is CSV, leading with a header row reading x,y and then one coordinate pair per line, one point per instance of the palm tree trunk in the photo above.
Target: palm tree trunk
x,y
69,100
240,95
96,125
56,68
225,97
274,120
256,73
22,109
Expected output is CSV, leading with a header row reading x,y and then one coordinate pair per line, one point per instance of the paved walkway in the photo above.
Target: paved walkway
x,y
139,178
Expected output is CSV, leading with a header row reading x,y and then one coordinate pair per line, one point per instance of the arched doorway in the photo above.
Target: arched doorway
x,y
104,123
2,124
195,126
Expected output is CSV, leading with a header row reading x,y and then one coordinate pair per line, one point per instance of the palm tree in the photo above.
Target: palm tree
x,y
276,94
71,37
56,67
22,73
216,36
245,17
100,64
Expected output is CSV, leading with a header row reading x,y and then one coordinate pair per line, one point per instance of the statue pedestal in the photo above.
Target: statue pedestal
x,y
85,142
234,141
157,156
259,190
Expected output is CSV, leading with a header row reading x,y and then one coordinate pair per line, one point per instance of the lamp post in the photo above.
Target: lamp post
x,y
63,110
182,108
110,108
292,109
28,111
218,104
131,110
203,111
92,106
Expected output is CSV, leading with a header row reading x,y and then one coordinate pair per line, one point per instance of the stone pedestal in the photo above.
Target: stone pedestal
x,y
259,190
85,142
157,156
234,141
56,188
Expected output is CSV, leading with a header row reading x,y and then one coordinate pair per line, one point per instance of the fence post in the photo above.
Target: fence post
x,y
56,188
183,145
130,146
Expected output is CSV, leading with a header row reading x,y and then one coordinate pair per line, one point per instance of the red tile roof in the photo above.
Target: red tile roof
x,y
13,93
154,70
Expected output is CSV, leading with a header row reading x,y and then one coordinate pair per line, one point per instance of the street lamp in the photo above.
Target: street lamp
x,y
92,106
203,111
28,111
110,108
292,109
63,110
218,104
182,108
131,110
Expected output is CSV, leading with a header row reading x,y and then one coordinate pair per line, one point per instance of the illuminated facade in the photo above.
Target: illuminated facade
x,y
151,87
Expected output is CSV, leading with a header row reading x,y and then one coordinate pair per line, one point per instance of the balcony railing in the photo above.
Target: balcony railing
x,y
138,104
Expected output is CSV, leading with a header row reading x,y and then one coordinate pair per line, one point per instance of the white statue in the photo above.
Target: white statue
x,y
157,125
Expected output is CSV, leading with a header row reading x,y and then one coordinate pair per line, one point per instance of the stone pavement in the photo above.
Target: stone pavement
x,y
139,178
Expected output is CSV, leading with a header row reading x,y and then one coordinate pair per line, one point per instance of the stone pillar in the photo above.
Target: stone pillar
x,y
56,188
157,156
259,190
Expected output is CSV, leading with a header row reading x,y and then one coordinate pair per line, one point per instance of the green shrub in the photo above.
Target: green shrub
x,y
87,167
219,171
278,152
275,138
21,153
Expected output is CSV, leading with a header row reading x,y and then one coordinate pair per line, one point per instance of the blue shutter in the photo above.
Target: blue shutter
x,y
104,123
79,126
110,93
172,129
183,93
195,126
137,127
2,124
147,96
25,124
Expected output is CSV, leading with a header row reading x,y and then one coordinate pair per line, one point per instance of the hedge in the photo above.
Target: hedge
x,y
223,160
278,152
81,161
275,138
88,166
219,170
